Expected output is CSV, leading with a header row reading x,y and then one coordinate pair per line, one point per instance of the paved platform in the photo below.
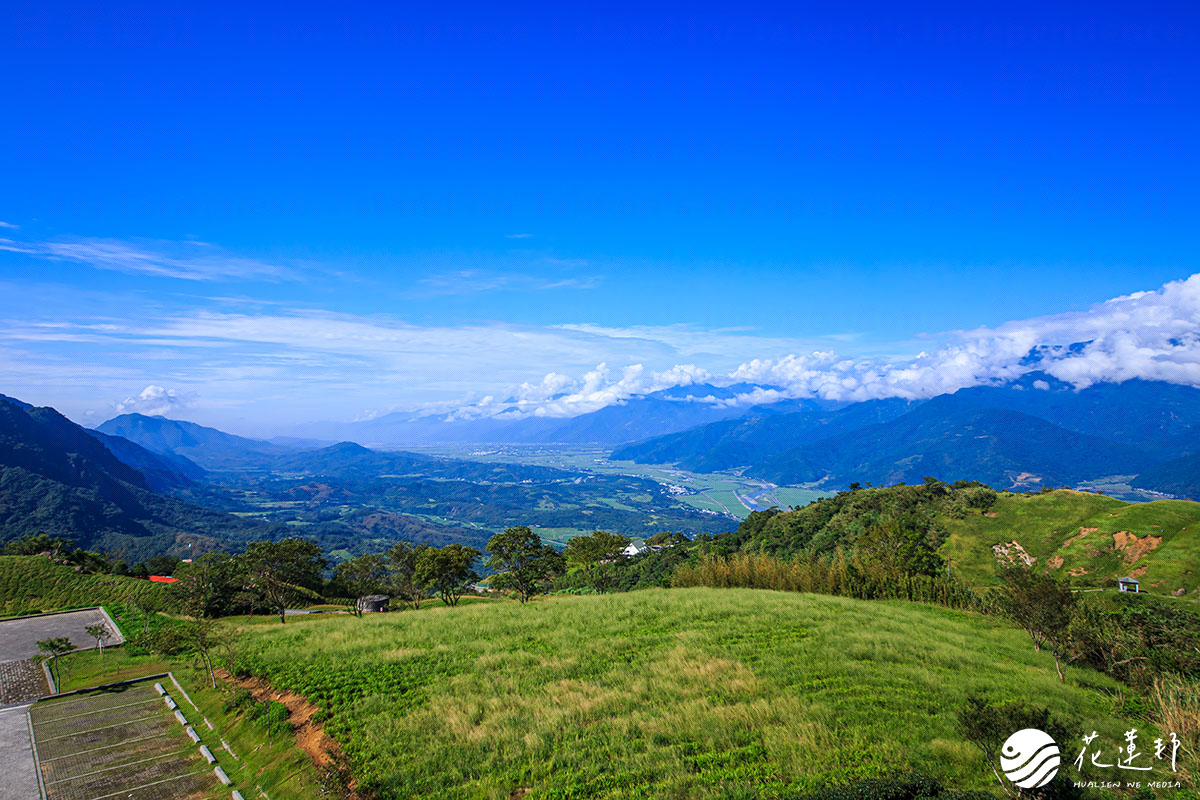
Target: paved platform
x,y
16,756
21,682
19,636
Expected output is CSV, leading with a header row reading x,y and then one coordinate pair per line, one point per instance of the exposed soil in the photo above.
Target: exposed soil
x,y
1133,547
1055,562
1075,572
1082,533
1012,553
310,736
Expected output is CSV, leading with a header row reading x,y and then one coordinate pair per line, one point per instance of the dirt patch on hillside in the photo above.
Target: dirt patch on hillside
x,y
1133,547
1082,533
1012,553
310,736
1055,562
1076,572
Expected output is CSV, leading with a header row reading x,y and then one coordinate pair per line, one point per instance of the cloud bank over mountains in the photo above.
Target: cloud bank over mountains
x,y
1150,335
274,365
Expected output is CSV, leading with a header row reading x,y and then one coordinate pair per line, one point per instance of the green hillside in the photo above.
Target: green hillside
x,y
683,693
1090,538
34,583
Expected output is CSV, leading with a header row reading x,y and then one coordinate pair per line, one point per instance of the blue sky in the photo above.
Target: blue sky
x,y
298,212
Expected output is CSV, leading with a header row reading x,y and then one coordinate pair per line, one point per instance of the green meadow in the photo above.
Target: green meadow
x,y
1072,533
682,693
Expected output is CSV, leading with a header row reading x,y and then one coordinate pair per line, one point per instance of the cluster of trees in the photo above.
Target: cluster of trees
x,y
521,564
1135,639
408,573
64,551
842,520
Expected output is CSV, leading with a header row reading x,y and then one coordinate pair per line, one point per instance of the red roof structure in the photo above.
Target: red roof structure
x,y
163,579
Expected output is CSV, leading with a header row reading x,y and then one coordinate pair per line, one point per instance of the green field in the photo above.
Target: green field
x,y
34,583
679,693
710,491
1165,556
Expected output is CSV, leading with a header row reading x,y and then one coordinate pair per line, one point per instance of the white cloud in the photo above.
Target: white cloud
x,y
156,258
153,400
1148,335
473,281
282,365
9,225
518,236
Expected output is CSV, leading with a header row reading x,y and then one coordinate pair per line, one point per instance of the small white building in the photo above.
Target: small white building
x,y
635,548
1127,585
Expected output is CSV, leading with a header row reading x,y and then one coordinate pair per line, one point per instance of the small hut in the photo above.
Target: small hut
x,y
1127,585
372,603
635,548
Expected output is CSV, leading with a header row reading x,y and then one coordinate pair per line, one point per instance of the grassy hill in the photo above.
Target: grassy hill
x,y
34,583
1090,538
683,693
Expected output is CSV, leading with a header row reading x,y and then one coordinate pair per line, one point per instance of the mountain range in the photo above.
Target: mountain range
x,y
1035,431
666,411
61,479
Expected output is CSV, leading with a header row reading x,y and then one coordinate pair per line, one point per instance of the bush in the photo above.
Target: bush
x,y
820,575
239,700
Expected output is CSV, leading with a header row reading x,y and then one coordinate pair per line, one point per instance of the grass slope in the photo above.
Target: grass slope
x,y
34,583
680,693
1048,527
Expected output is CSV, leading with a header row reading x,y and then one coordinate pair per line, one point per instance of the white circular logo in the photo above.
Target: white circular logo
x,y
1029,758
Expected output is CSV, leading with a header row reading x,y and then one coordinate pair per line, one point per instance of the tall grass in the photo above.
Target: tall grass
x,y
1176,707
839,575
682,693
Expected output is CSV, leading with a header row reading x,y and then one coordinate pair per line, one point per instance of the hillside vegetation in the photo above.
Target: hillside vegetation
x,y
686,693
34,583
1090,539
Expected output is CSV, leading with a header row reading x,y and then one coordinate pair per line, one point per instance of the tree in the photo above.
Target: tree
x,y
1043,607
100,633
163,565
447,570
899,551
284,572
202,635
524,563
595,554
362,576
988,726
52,649
209,585
402,560
37,543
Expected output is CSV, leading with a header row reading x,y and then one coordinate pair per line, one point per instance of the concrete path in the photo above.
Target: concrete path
x,y
16,757
19,636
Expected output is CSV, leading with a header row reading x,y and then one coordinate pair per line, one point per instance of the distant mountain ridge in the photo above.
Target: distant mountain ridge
x,y
761,433
665,411
60,479
208,447
1004,449
1060,436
